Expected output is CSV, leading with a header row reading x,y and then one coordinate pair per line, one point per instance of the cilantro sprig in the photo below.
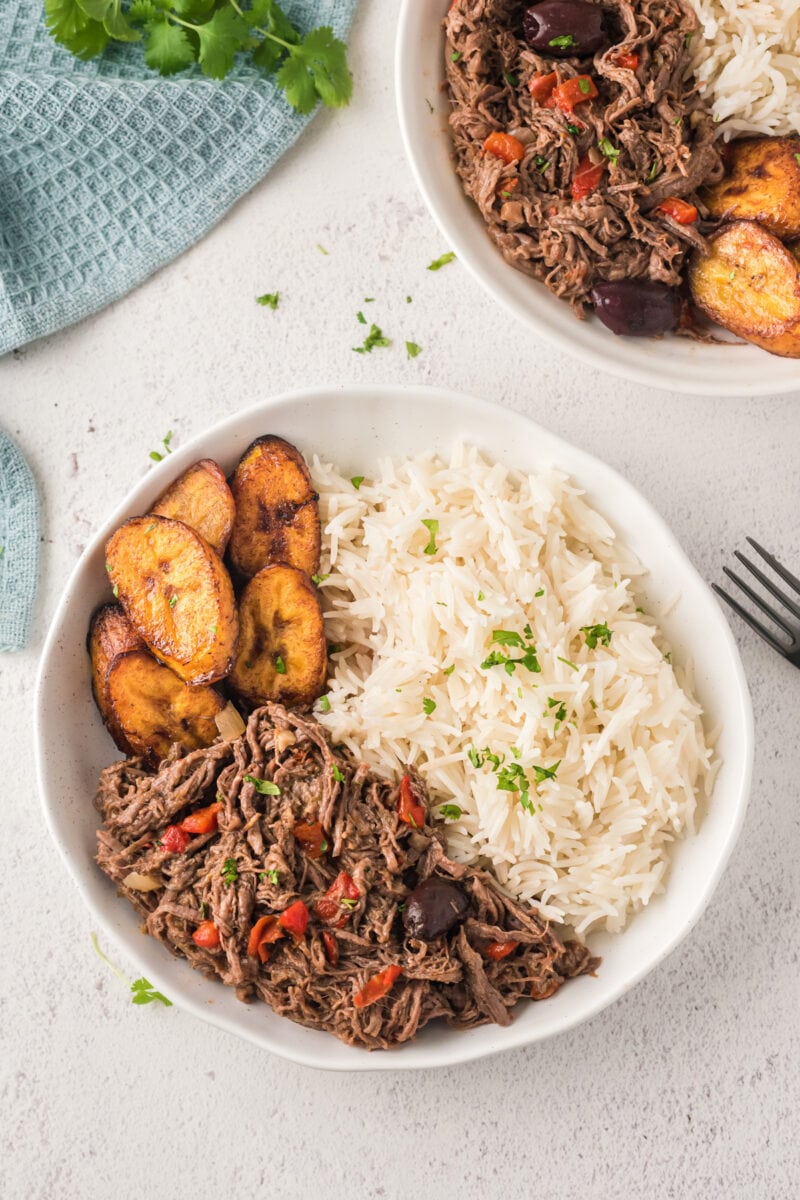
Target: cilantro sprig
x,y
508,638
597,633
142,989
178,33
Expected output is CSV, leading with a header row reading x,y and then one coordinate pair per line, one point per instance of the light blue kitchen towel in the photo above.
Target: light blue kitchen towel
x,y
19,546
108,170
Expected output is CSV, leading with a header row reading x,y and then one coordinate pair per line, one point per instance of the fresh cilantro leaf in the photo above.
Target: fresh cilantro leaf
x,y
542,773
611,152
449,670
297,82
475,757
597,633
324,704
432,528
269,300
450,812
441,261
413,349
270,15
564,42
264,787
220,39
145,993
505,637
142,11
374,338
280,665
428,706
168,49
73,29
325,59
318,579
539,593
362,320
269,55
110,13
337,774
357,481
271,875
230,872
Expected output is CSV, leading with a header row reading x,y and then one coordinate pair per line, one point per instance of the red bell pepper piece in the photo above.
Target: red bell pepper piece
x,y
679,210
586,178
574,91
174,840
505,146
541,88
629,61
331,947
330,907
377,987
206,935
408,810
498,950
204,820
311,836
295,920
264,934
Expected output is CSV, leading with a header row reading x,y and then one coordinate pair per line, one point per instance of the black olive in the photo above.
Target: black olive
x,y
434,906
636,307
564,28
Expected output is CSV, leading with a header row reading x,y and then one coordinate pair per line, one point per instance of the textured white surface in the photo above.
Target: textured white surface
x,y
689,1088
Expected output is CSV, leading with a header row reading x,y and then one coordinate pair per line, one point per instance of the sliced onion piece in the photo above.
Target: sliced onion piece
x,y
229,723
141,883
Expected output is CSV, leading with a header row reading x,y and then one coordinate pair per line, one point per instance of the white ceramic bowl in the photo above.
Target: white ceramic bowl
x,y
353,426
674,363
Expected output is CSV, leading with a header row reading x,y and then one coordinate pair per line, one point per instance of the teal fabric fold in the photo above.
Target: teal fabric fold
x,y
19,546
108,171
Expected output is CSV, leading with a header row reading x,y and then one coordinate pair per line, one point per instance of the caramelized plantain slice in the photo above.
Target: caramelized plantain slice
x,y
277,510
282,651
177,595
201,498
761,183
155,709
110,634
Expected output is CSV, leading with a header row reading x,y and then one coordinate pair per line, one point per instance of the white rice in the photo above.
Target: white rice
x,y
511,549
746,57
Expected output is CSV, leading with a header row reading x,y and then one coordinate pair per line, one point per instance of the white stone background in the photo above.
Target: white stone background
x,y
687,1088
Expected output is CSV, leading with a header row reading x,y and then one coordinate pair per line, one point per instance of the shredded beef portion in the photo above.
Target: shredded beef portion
x,y
449,977
653,118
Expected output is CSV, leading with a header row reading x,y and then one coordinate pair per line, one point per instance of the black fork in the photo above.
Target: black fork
x,y
789,646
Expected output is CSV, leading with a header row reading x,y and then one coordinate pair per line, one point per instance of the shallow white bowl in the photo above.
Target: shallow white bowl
x,y
674,363
353,426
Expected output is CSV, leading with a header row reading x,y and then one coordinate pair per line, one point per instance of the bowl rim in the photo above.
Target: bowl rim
x,y
568,336
460,1050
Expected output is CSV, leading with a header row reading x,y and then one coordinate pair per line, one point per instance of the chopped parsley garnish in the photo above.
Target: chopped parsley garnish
x,y
318,579
428,706
322,250
271,875
347,903
357,481
337,774
203,910
449,670
324,704
597,633
280,665
541,163
269,300
540,592
573,129
510,79
611,152
230,872
507,637
212,629
173,600
584,86
145,993
165,442
150,528
362,320
567,663
455,56
653,171
374,338
560,713
408,299
481,596
797,158
413,349
540,774
668,656
115,591
441,261
369,299
564,42
450,812
265,787
432,528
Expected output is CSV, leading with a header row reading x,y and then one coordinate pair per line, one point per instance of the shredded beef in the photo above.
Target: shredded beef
x,y
449,977
653,117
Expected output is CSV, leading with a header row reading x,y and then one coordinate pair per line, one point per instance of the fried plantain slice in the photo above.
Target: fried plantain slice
x,y
277,510
155,709
177,594
110,634
201,498
282,650
761,183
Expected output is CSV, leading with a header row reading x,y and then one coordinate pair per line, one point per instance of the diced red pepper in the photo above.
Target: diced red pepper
x,y
331,947
206,935
264,934
295,920
586,178
174,840
679,210
541,88
202,821
498,950
311,836
377,987
505,146
574,91
630,62
330,909
408,810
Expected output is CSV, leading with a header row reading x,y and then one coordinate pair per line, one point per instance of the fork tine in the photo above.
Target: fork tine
x,y
763,579
760,602
751,621
777,567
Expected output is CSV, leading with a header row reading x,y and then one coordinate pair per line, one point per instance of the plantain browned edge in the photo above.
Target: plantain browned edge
x,y
102,657
176,502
